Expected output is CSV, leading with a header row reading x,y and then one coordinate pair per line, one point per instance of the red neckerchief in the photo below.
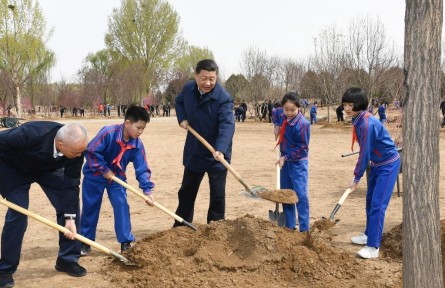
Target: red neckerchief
x,y
354,133
282,131
124,147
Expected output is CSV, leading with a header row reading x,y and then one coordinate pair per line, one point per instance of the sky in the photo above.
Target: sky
x,y
283,28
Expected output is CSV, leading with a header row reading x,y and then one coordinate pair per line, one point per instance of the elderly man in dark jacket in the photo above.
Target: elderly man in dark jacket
x,y
207,107
51,155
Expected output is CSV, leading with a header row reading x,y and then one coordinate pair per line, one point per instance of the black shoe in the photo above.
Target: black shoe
x,y
72,268
125,246
85,250
6,281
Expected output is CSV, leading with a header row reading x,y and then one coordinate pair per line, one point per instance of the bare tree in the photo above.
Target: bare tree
x,y
422,257
370,50
253,65
329,62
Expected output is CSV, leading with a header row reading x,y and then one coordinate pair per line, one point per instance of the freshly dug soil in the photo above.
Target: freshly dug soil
x,y
245,252
392,248
281,196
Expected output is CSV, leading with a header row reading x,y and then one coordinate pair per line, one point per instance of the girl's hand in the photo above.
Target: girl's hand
x,y
353,186
281,162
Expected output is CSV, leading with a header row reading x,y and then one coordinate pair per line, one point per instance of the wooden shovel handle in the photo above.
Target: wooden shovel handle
x,y
156,204
221,159
54,225
343,197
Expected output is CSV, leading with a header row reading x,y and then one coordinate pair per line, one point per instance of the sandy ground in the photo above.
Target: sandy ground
x,y
253,158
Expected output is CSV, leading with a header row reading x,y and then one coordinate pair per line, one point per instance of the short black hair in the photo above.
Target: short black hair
x,y
291,97
208,65
137,113
357,96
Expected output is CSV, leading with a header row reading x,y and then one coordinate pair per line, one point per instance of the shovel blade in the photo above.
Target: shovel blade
x,y
281,219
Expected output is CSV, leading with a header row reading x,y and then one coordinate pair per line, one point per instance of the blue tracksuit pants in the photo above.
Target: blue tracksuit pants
x,y
294,175
92,193
380,187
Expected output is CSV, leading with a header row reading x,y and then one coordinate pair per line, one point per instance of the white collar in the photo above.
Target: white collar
x,y
56,153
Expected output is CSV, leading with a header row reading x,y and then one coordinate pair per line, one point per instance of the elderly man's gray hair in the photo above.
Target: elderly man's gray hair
x,y
72,133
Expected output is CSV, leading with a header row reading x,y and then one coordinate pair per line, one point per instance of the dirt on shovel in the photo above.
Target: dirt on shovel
x,y
287,196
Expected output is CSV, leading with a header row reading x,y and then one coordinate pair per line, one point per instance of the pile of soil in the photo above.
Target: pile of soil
x,y
245,252
392,248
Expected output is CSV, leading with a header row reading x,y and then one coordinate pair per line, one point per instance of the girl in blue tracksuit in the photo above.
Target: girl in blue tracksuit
x,y
379,151
294,145
107,155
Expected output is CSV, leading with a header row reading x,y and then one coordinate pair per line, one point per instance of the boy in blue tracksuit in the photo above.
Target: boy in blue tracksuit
x,y
377,147
294,145
313,113
108,155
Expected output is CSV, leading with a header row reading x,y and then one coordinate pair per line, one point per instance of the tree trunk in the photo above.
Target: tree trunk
x,y
422,258
18,101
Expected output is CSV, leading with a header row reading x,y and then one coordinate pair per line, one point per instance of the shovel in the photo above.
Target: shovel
x,y
156,204
64,230
339,203
282,196
276,216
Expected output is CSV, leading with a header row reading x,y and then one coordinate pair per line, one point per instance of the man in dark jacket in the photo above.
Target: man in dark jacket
x,y
51,155
206,107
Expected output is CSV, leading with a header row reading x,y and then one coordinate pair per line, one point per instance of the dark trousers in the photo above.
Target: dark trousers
x,y
340,117
15,188
189,190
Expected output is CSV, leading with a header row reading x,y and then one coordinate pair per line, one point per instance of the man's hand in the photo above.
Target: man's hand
x,y
70,224
276,132
109,175
184,124
150,201
218,155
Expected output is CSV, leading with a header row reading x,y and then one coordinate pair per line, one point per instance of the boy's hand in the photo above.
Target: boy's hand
x,y
184,124
109,175
150,200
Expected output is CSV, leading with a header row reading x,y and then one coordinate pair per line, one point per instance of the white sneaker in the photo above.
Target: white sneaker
x,y
368,252
360,240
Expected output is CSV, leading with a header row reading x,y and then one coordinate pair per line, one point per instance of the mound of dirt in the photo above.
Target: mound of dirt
x,y
391,246
245,252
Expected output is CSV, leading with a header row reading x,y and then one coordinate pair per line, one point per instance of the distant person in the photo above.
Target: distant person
x,y
277,119
239,111
294,148
382,113
269,111
377,148
101,109
208,108
62,110
49,154
108,109
442,108
108,155
313,113
339,112
9,110
244,105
